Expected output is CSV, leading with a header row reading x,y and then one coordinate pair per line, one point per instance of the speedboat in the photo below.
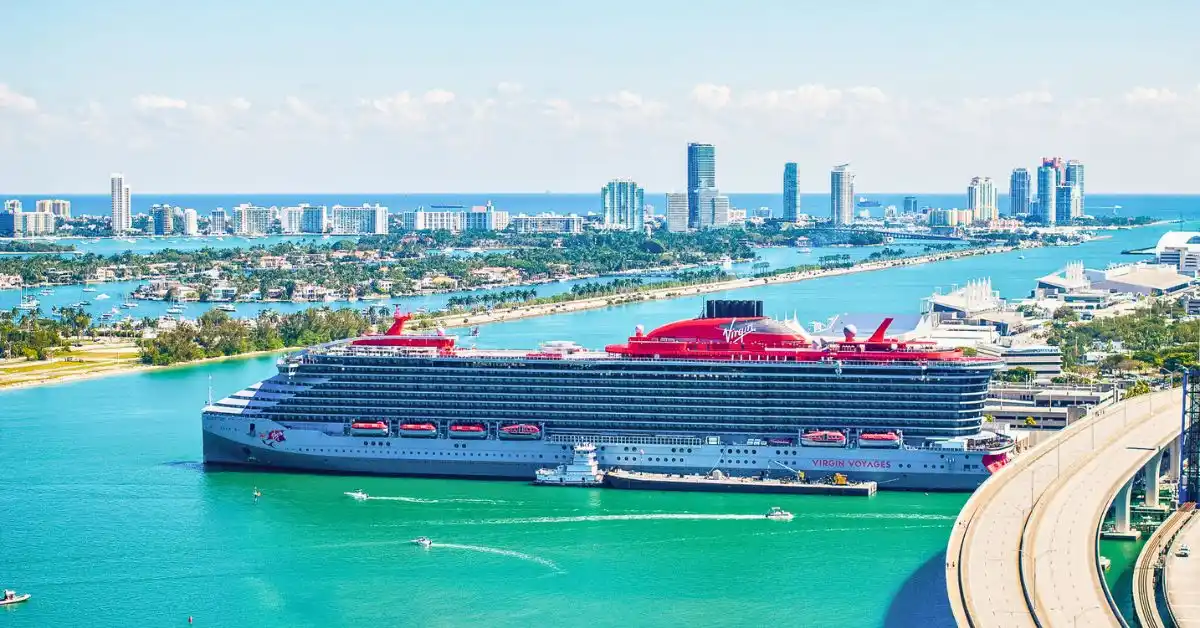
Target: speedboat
x,y
422,541
225,307
779,514
11,597
89,289
358,495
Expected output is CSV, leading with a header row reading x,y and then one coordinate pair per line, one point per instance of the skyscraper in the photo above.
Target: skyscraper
x,y
190,222
370,219
714,209
702,174
910,204
122,219
57,208
841,195
1074,176
981,199
218,221
163,216
1059,169
1068,203
313,218
1047,177
791,192
1018,192
621,203
677,211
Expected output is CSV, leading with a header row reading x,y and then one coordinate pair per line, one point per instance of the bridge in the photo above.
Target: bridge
x,y
1024,550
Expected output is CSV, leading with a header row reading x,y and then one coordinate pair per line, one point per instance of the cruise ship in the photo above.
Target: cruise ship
x,y
731,390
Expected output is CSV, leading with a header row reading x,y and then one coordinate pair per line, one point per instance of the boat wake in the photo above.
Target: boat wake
x,y
917,516
500,552
426,500
630,517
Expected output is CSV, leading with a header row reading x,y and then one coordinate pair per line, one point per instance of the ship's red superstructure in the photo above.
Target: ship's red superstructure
x,y
761,338
395,336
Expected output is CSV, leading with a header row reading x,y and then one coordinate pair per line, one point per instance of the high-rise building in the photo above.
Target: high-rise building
x,y
122,218
251,220
702,174
163,217
191,222
910,204
291,219
547,223
1074,176
485,218
791,192
981,199
218,221
366,219
714,209
1068,203
452,219
621,203
55,207
841,195
1046,190
313,218
12,205
1059,167
677,211
1018,192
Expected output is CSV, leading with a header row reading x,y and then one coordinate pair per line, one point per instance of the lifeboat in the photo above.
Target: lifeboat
x,y
521,431
468,430
369,428
418,430
823,438
879,439
781,442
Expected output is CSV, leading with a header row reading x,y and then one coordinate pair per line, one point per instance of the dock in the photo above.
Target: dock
x,y
719,483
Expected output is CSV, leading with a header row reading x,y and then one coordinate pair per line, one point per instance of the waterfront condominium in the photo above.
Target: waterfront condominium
x,y
366,219
164,219
251,220
621,204
313,218
677,212
1059,167
981,199
55,207
1018,192
910,204
1068,203
841,195
714,209
1047,186
1074,176
218,221
122,219
791,192
191,222
702,174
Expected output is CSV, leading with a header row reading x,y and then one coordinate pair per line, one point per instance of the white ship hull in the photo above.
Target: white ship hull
x,y
316,447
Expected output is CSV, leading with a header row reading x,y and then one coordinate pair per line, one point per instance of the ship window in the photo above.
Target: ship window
x,y
689,450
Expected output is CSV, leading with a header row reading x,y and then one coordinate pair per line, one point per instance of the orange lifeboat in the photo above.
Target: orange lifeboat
x,y
521,431
418,430
369,428
468,430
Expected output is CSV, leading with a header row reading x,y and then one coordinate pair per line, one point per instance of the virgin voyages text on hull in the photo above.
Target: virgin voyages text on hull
x,y
731,390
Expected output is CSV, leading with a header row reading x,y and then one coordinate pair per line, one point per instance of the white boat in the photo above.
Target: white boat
x,y
358,495
89,289
101,297
422,541
175,309
28,303
583,470
726,262
226,307
11,597
45,292
778,514
129,305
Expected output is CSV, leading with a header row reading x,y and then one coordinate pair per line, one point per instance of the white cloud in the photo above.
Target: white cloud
x,y
1146,95
634,103
809,98
11,99
506,88
154,102
239,104
711,96
562,111
438,97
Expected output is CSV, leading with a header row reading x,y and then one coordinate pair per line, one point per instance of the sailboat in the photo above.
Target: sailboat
x,y
28,303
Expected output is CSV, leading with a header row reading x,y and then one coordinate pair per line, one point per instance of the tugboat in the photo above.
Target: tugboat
x,y
778,514
423,542
583,470
358,495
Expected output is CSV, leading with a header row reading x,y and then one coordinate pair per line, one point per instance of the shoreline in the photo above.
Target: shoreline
x,y
548,309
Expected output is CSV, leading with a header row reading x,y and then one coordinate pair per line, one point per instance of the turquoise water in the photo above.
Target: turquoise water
x,y
106,517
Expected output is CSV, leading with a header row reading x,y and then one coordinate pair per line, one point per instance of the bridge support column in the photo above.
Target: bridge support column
x,y
1151,479
1121,529
1172,451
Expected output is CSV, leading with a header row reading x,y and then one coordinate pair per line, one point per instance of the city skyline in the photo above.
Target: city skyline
x,y
566,113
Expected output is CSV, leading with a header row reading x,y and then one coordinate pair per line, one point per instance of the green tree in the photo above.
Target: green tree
x,y
1066,314
1140,387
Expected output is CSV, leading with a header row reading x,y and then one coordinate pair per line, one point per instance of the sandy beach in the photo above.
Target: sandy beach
x,y
113,358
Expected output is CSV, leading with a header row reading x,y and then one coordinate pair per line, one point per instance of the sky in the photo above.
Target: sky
x,y
528,96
